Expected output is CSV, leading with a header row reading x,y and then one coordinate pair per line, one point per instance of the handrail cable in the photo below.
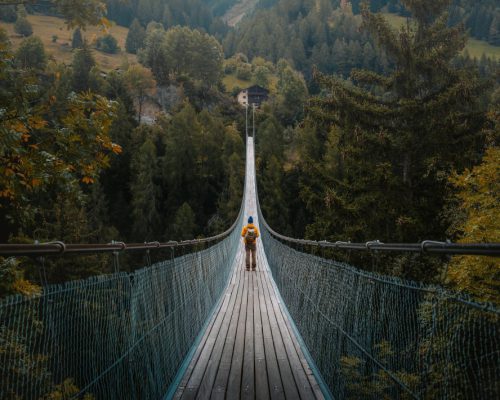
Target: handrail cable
x,y
59,248
426,246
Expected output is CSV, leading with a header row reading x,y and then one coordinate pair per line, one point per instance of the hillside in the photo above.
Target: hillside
x,y
236,13
476,48
47,27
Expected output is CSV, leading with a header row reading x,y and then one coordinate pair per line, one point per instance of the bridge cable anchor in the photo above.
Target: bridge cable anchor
x,y
62,246
116,254
374,258
426,242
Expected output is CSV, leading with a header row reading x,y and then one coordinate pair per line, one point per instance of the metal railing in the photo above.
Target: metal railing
x,y
59,248
427,246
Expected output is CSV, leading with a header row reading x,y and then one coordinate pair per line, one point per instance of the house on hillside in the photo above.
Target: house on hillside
x,y
253,95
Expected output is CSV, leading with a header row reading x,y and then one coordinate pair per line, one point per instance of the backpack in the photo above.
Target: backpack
x,y
250,236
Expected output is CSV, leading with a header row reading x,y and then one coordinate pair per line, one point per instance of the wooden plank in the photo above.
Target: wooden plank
x,y
221,380
285,369
296,365
273,374
318,394
201,346
207,383
234,381
261,383
248,378
201,364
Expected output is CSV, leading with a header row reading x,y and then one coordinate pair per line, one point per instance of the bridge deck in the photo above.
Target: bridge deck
x,y
249,349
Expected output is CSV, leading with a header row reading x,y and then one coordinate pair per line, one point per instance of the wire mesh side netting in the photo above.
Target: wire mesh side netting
x,y
379,337
120,336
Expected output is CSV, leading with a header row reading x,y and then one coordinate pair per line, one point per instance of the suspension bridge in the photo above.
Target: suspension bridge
x,y
199,326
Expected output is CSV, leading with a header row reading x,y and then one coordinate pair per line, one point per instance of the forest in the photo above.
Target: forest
x,y
369,132
123,127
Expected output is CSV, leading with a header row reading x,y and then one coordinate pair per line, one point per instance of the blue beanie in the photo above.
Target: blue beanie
x,y
250,220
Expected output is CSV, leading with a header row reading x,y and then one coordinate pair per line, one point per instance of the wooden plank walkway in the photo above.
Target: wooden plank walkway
x,y
249,349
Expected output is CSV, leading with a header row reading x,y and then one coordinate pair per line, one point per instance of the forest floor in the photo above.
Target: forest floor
x,y
475,48
236,13
46,28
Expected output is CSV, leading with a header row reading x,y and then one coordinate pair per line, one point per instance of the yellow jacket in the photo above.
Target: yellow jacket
x,y
245,229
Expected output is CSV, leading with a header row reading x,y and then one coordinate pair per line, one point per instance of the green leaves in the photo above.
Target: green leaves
x,y
182,51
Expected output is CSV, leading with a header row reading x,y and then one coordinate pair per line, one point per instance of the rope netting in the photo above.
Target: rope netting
x,y
379,337
119,336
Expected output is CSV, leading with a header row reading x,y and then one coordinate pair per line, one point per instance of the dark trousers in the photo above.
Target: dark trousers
x,y
251,250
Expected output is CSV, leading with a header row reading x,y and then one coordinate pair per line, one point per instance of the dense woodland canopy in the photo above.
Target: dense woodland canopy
x,y
77,166
369,132
318,32
383,155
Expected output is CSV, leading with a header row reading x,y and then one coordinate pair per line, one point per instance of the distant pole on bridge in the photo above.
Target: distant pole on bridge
x,y
246,120
253,120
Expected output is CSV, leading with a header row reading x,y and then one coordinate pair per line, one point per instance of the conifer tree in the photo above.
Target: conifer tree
x,y
396,149
135,37
182,139
83,61
77,39
23,26
31,54
184,224
144,192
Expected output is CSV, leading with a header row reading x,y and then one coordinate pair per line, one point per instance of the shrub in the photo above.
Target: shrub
x,y
23,26
244,72
31,54
107,44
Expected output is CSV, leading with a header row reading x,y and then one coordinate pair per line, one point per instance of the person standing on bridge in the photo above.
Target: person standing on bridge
x,y
250,233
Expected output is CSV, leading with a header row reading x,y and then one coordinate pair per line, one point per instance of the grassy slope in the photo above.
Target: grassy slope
x,y
230,81
45,27
476,48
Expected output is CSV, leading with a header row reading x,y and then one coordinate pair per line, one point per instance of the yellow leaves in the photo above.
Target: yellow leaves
x,y
66,390
105,24
116,148
26,288
479,194
7,193
18,126
73,145
37,122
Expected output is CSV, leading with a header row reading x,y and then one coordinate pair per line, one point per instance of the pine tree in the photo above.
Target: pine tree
x,y
31,54
182,138
23,26
397,148
83,61
77,39
135,38
184,224
144,192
